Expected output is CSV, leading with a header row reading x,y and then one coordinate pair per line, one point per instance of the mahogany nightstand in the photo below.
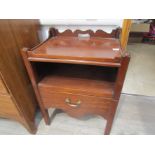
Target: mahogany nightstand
x,y
79,72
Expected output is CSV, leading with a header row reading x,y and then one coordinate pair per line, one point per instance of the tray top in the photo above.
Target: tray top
x,y
74,48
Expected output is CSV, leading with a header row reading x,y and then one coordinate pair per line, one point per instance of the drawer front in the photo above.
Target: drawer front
x,y
3,89
76,105
7,106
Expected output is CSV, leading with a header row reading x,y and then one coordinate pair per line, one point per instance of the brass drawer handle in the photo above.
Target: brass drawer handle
x,y
75,105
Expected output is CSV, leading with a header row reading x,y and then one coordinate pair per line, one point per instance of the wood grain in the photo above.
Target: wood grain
x,y
89,104
25,32
77,85
34,80
3,89
77,78
99,33
7,107
121,75
12,38
59,72
72,48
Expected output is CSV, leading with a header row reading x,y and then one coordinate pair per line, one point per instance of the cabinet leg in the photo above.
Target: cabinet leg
x,y
108,126
110,119
34,80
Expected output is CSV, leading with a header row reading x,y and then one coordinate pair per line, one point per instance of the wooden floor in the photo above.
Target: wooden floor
x,y
135,115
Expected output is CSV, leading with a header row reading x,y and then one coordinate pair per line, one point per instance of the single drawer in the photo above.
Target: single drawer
x,y
3,89
7,106
75,104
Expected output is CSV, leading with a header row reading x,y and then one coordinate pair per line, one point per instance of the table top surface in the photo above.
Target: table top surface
x,y
74,48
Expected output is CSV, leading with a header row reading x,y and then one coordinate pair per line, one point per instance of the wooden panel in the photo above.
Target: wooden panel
x,y
34,79
14,73
87,105
98,33
25,32
82,62
7,107
77,78
3,89
78,86
73,48
121,75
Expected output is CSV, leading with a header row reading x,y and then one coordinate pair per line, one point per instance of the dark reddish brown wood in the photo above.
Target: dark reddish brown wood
x,y
82,62
99,33
71,77
33,79
53,32
77,78
110,116
73,48
70,85
23,30
121,75
88,104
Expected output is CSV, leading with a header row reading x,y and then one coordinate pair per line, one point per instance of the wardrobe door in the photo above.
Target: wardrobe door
x,y
3,89
13,36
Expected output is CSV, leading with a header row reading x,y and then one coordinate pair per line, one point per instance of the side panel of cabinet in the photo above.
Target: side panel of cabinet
x,y
3,89
7,107
25,32
13,70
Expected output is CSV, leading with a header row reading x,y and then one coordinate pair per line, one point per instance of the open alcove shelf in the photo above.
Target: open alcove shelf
x,y
77,78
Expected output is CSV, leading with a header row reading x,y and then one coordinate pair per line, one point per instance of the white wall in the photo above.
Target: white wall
x,y
94,24
81,22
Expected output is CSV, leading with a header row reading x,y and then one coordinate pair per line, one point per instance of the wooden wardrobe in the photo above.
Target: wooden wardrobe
x,y
17,99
